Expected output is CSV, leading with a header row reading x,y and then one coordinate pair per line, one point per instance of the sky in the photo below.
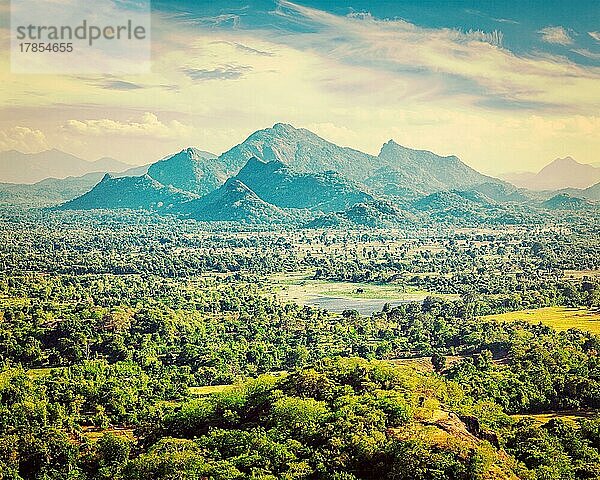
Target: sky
x,y
506,86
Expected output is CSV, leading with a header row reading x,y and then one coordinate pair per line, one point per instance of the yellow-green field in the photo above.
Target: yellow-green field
x,y
560,318
94,433
208,390
568,415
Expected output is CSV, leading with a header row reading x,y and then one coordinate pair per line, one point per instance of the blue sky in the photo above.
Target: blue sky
x,y
505,85
520,21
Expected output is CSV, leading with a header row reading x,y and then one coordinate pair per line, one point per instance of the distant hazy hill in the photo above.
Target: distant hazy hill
x,y
593,192
561,173
129,192
451,200
192,170
233,201
17,167
403,168
54,191
375,214
50,191
278,184
501,192
564,201
464,207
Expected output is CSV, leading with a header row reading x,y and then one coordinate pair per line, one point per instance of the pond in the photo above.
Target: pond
x,y
364,306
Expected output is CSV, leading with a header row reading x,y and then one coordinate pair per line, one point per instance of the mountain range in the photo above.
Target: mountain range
x,y
286,174
559,174
29,168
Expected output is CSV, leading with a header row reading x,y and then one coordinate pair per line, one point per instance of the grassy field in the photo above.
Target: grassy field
x,y
208,390
560,318
300,287
569,416
94,433
41,372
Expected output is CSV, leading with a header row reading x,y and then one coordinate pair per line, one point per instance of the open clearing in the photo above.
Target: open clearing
x,y
560,318
301,288
569,416
300,285
208,390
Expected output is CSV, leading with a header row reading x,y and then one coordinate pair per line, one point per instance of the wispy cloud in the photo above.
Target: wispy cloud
x,y
557,35
488,72
493,38
228,19
584,52
119,85
245,48
477,13
595,35
356,79
226,72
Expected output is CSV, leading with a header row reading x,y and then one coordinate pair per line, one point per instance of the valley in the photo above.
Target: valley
x,y
300,240
288,299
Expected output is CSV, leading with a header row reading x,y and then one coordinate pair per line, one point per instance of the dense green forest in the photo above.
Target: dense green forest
x,y
118,335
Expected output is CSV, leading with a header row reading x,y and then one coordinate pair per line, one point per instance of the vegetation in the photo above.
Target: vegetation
x,y
141,347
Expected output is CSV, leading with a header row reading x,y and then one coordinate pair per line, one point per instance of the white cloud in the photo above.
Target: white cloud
x,y
595,35
557,35
587,53
24,139
148,126
442,63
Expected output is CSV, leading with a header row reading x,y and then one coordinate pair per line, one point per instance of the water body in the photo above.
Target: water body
x,y
363,306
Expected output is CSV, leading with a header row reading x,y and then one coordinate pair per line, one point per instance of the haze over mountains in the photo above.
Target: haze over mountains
x,y
283,173
561,173
17,167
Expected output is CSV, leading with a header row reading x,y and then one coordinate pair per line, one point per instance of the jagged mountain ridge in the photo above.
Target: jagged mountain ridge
x,y
191,170
280,172
422,170
300,149
396,170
